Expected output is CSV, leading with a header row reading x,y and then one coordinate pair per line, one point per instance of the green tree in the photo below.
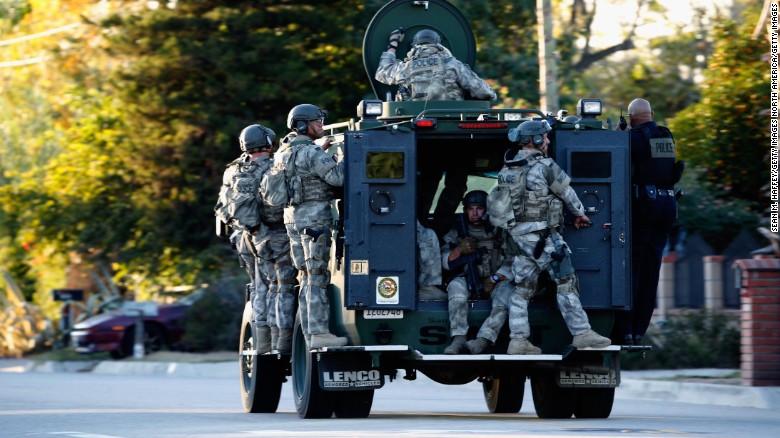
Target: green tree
x,y
725,132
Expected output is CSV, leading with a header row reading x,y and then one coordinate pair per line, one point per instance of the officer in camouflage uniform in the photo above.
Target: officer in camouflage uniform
x,y
654,210
275,272
529,200
482,243
256,142
311,177
429,71
429,262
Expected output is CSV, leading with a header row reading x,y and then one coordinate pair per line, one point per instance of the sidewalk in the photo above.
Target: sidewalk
x,y
699,386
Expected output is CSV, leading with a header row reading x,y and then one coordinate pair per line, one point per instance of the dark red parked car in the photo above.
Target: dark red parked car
x,y
114,332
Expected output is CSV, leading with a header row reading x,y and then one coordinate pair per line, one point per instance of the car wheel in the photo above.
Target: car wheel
x,y
261,375
504,394
311,401
154,340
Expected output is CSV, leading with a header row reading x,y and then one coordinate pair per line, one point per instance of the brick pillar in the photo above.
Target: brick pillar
x,y
760,345
665,294
713,282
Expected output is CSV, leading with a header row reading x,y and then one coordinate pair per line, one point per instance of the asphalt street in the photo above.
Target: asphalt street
x,y
686,386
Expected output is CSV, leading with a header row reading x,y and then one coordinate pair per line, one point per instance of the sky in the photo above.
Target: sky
x,y
612,12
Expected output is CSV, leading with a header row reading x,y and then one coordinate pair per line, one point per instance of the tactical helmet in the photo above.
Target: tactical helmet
x,y
530,131
300,114
255,137
475,197
426,36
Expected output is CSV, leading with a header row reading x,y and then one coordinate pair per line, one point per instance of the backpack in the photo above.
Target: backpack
x,y
239,203
274,188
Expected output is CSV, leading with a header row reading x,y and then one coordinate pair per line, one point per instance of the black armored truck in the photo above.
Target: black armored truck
x,y
374,297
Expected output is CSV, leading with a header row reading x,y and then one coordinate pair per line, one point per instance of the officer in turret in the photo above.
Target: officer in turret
x,y
529,200
654,172
312,177
431,72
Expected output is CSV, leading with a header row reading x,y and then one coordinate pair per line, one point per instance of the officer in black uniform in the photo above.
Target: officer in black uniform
x,y
654,172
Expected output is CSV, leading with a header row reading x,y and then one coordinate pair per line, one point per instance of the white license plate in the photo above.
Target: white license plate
x,y
383,314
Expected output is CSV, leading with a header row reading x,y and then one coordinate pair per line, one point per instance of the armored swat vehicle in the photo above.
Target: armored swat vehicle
x,y
390,149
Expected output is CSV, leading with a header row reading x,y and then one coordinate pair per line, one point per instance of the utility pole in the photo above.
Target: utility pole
x,y
548,67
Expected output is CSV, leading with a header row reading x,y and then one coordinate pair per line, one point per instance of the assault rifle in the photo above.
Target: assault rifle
x,y
471,260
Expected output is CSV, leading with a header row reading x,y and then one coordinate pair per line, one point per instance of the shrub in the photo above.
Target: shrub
x,y
213,322
691,339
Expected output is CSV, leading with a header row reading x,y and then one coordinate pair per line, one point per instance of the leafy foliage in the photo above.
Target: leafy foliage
x,y
692,339
725,132
213,321
708,210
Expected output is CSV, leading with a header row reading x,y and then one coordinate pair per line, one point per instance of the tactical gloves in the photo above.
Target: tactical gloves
x,y
396,36
468,245
488,285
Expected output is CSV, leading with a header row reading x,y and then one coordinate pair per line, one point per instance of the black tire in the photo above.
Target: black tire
x,y
261,376
154,341
353,404
504,395
311,401
594,402
550,400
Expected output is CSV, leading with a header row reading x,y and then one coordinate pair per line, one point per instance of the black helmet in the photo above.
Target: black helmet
x,y
530,132
300,114
426,36
475,197
255,137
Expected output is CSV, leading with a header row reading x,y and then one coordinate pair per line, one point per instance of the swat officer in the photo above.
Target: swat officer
x,y
311,176
654,172
240,206
272,249
473,248
431,72
529,199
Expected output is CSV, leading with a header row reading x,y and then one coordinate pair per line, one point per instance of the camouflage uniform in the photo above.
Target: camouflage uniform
x,y
276,271
429,277
538,211
492,261
243,241
430,72
309,221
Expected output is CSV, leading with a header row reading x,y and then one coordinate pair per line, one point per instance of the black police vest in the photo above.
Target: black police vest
x,y
655,165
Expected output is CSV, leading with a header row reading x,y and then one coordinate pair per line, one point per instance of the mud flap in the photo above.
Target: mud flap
x,y
348,372
587,377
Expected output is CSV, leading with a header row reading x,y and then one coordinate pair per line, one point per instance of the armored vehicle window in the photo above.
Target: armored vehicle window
x,y
591,164
385,165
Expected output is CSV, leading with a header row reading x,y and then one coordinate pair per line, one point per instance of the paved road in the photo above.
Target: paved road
x,y
665,385
174,400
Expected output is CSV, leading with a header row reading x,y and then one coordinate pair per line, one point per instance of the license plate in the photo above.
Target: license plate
x,y
383,314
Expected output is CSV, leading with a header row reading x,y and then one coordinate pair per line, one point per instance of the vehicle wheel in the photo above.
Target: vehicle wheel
x,y
261,376
550,400
504,395
353,404
311,401
594,402
154,340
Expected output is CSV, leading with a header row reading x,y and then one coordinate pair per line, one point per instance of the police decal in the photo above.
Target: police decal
x,y
387,290
662,147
